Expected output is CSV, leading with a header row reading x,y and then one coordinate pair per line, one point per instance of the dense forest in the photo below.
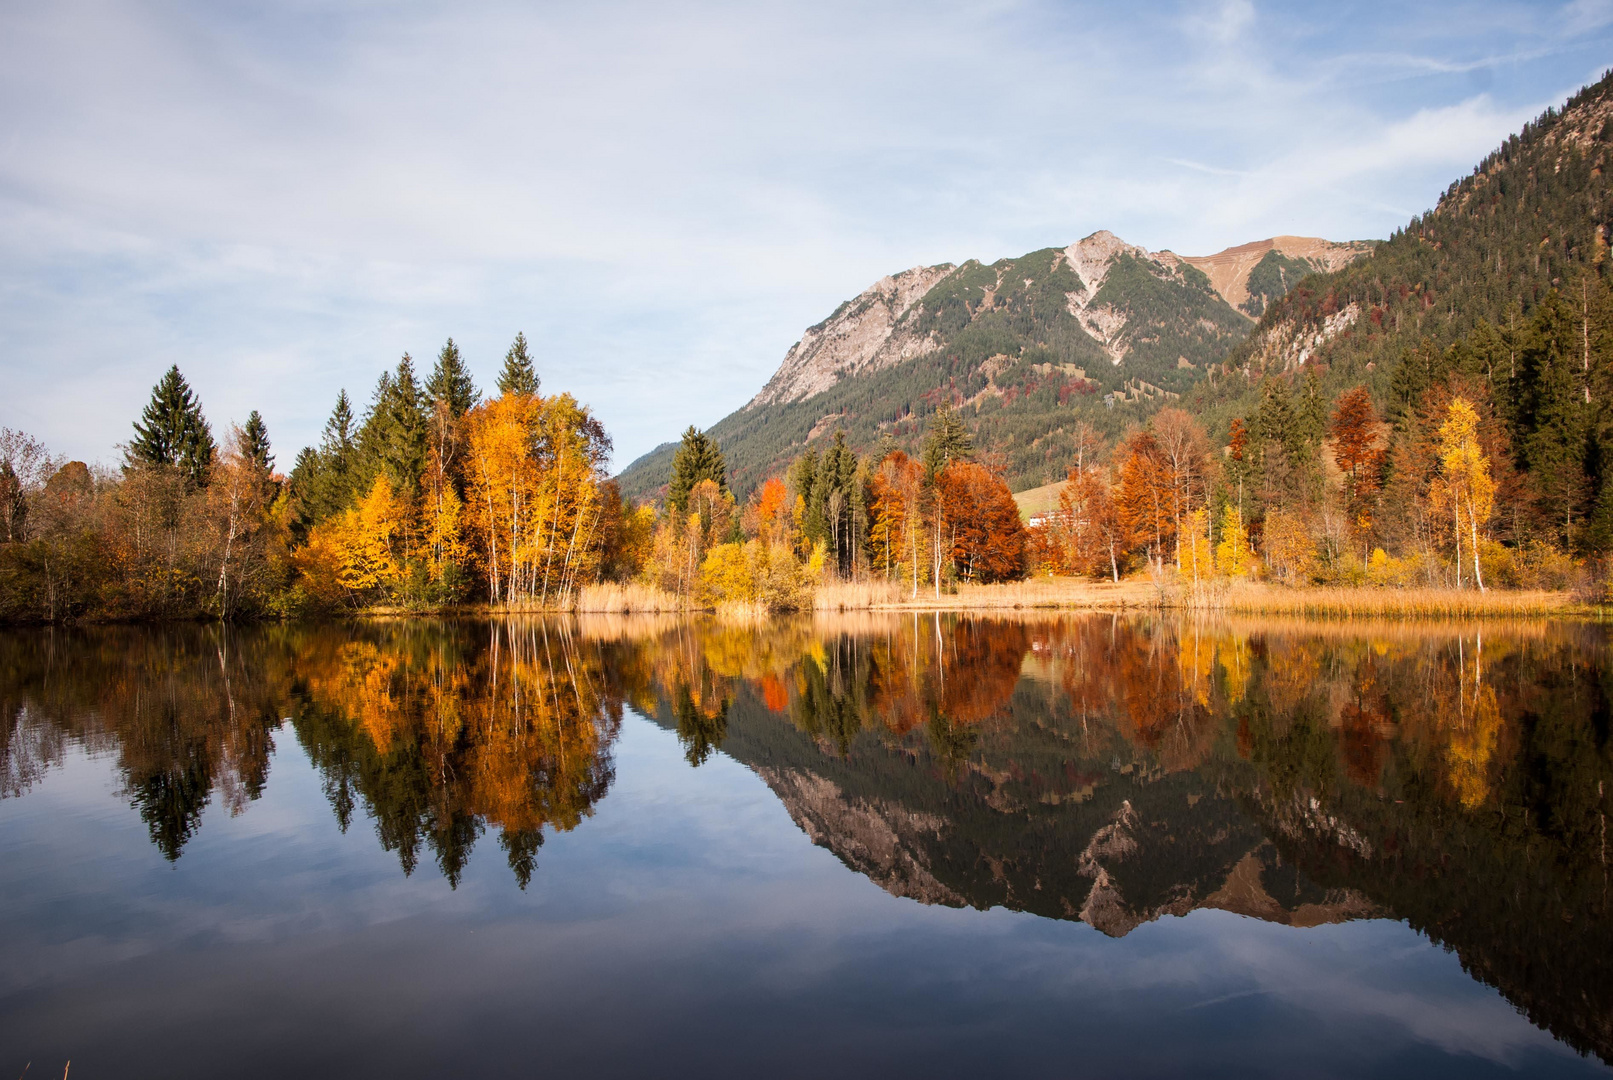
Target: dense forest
x,y
432,497
436,497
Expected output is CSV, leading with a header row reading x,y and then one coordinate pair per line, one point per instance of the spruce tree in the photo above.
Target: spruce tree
x,y
323,480
255,443
450,382
392,442
337,443
1275,421
810,481
1312,410
948,441
696,460
519,376
172,431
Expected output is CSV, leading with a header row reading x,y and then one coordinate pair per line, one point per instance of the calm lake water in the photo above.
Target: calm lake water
x,y
1083,846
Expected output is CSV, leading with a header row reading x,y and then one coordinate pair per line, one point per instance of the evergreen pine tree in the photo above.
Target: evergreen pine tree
x,y
1554,416
337,443
809,479
172,431
519,376
1312,410
1275,421
450,382
696,460
392,442
947,441
323,480
256,443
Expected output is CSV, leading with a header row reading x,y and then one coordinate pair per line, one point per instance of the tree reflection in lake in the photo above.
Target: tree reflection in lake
x,y
1093,768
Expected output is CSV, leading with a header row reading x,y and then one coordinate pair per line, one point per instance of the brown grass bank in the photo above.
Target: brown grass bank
x,y
1240,597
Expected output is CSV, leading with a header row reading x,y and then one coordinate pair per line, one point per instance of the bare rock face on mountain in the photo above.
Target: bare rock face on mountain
x,y
1280,261
860,335
885,324
878,840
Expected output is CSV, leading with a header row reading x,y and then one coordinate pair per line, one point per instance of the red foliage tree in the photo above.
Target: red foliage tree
x,y
988,539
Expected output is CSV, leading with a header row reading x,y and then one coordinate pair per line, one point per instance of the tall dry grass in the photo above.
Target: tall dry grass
x,y
1033,593
1370,602
1220,596
631,597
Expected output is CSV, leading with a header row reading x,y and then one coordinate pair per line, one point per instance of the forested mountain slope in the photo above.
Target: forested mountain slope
x,y
1101,330
1532,216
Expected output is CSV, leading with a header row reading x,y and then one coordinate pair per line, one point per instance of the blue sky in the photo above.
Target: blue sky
x,y
284,198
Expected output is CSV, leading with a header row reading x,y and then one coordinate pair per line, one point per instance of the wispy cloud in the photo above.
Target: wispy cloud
x,y
284,198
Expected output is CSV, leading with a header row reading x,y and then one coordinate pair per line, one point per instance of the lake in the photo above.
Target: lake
x,y
851,845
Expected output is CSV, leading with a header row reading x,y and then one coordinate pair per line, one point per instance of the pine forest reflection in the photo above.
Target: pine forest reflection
x,y
1098,769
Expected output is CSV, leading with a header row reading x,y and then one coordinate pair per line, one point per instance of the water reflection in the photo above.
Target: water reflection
x,y
1100,769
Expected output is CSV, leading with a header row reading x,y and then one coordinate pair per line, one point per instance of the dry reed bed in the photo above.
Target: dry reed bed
x,y
1250,598
1368,602
1034,593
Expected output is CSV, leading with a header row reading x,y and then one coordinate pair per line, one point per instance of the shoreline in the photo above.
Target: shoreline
x,y
1042,595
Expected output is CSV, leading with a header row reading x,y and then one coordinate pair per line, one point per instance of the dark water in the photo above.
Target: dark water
x,y
904,846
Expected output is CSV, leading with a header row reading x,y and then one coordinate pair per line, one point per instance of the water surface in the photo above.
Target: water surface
x,y
963,847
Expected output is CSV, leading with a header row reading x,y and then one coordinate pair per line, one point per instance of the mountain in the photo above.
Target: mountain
x,y
1532,216
1121,851
1100,330
1252,276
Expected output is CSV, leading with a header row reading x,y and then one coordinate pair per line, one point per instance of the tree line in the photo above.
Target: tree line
x,y
930,522
1483,463
434,495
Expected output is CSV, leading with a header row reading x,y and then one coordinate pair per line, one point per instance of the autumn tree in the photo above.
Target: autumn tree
x,y
988,538
1087,535
25,465
897,532
1145,499
535,466
1464,489
1358,455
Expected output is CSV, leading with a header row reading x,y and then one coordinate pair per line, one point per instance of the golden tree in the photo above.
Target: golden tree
x,y
1464,488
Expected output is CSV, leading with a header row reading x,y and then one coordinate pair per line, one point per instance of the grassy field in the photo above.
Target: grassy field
x,y
1038,500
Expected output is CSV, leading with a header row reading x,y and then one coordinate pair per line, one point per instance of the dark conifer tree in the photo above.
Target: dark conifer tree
x,y
696,460
256,442
392,442
811,485
450,382
1555,414
948,441
322,481
172,431
1312,410
519,376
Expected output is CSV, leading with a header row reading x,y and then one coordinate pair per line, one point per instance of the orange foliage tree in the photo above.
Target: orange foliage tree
x,y
988,538
898,516
1358,456
1145,499
534,468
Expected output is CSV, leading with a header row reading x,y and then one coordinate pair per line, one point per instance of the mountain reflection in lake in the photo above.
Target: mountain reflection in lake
x,y
1371,791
